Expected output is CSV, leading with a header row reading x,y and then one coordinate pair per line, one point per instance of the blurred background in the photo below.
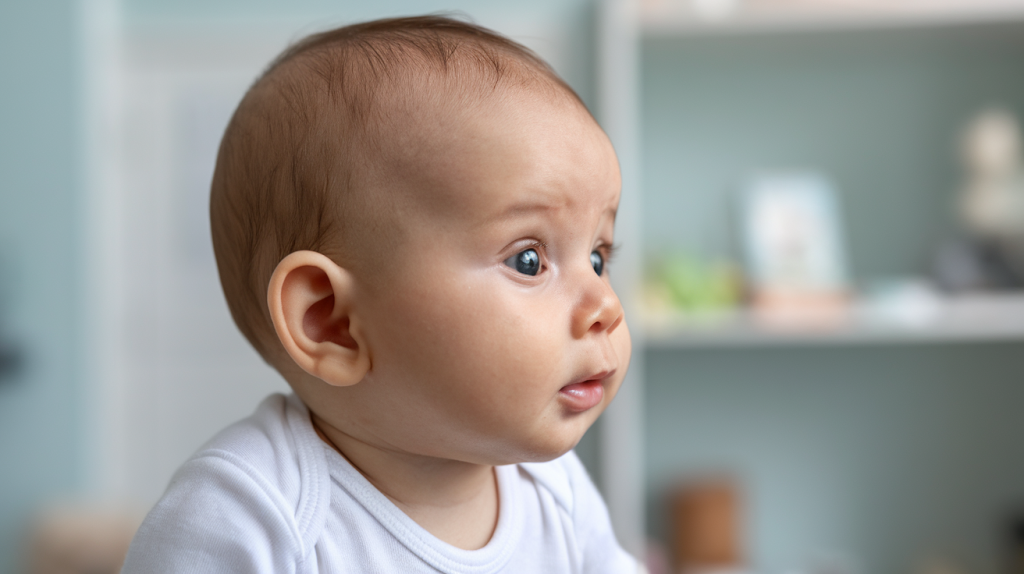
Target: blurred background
x,y
823,263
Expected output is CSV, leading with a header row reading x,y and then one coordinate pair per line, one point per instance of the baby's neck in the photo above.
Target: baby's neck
x,y
455,501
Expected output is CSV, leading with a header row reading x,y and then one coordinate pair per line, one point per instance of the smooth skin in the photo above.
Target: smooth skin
x,y
450,360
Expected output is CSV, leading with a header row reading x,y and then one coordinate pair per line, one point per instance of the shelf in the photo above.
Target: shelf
x,y
963,319
680,18
623,27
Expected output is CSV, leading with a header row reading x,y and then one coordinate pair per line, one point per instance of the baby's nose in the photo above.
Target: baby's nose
x,y
598,309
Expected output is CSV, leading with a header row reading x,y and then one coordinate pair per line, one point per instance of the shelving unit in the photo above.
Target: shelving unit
x,y
622,26
679,17
964,319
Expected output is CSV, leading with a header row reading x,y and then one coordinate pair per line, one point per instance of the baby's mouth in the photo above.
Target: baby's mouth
x,y
586,394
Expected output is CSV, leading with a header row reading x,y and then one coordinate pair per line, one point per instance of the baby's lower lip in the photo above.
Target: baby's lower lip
x,y
580,397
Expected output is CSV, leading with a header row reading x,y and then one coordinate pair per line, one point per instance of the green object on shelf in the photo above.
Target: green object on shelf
x,y
692,284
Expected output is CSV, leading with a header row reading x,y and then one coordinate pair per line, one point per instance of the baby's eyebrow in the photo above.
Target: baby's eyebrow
x,y
613,211
530,207
522,208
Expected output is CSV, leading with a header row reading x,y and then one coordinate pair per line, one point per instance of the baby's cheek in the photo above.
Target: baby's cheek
x,y
495,337
623,343
534,340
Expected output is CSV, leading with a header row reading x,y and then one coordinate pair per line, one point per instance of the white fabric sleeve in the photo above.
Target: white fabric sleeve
x,y
601,551
216,516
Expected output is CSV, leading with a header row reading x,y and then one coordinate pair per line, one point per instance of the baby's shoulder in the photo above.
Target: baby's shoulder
x,y
277,443
253,495
278,449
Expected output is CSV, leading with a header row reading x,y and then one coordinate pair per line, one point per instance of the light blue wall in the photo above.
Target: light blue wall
x,y
40,419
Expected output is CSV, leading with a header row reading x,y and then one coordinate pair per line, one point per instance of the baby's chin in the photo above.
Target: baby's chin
x,y
550,446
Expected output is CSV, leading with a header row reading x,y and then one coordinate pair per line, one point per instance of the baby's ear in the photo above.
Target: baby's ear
x,y
310,299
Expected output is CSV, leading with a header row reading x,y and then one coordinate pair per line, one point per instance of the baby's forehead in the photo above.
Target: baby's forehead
x,y
431,133
435,138
431,109
524,148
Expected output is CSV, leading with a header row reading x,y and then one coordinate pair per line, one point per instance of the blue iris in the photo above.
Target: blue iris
x,y
526,262
597,262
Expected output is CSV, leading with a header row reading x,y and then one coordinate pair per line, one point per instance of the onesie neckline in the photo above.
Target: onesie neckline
x,y
435,552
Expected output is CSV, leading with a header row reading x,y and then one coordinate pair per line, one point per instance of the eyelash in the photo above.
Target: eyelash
x,y
540,246
610,249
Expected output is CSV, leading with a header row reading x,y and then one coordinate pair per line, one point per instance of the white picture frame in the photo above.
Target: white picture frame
x,y
792,235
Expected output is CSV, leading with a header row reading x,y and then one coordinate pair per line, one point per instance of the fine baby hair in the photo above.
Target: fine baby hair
x,y
323,121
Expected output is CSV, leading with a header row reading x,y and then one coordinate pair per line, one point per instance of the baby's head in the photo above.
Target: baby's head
x,y
412,220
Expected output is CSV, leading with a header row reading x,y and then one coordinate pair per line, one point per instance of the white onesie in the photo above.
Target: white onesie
x,y
266,495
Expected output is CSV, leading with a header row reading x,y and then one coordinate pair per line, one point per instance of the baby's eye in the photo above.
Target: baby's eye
x,y
597,262
526,262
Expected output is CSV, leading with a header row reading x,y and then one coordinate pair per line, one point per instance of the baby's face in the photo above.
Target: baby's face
x,y
498,338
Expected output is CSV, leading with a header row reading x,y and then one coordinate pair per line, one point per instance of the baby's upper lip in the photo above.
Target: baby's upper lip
x,y
598,376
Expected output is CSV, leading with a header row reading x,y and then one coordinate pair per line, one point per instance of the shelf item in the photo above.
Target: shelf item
x,y
686,17
793,239
707,526
961,319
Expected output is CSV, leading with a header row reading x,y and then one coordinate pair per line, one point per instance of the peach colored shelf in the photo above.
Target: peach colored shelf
x,y
965,319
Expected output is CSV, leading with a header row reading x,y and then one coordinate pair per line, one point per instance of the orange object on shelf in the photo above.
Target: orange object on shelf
x,y
796,309
706,526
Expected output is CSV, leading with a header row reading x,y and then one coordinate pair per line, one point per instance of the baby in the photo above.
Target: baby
x,y
412,220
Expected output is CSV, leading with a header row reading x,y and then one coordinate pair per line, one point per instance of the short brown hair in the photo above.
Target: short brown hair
x,y
290,156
